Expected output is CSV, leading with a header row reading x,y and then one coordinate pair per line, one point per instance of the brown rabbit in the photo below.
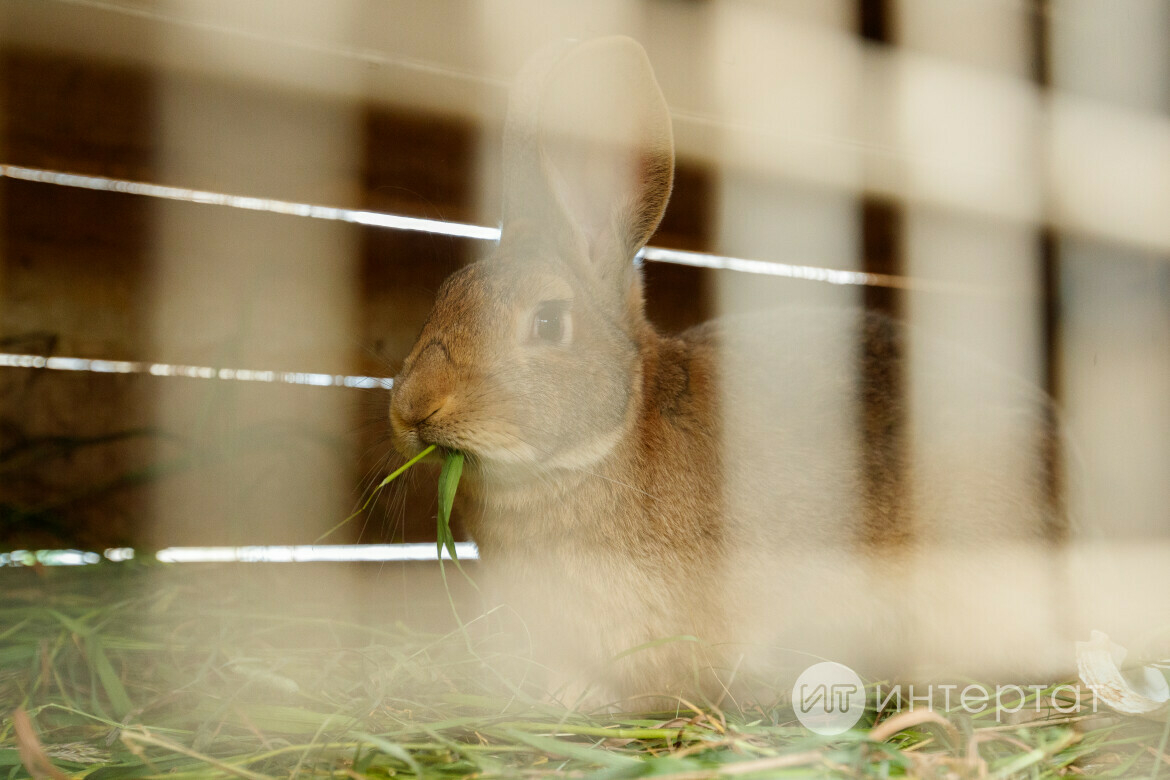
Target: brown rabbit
x,y
628,488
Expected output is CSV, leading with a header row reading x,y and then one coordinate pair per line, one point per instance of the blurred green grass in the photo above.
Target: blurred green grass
x,y
133,671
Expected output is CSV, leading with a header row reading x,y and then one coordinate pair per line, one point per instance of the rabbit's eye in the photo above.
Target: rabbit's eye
x,y
551,323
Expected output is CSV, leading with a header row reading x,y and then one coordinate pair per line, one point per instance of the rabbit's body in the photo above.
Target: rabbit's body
x,y
626,487
601,555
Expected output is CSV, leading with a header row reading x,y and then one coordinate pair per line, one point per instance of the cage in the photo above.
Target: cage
x,y
223,226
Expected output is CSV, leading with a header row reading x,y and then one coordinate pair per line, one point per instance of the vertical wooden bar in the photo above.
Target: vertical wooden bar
x,y
417,163
74,273
1048,247
886,522
679,296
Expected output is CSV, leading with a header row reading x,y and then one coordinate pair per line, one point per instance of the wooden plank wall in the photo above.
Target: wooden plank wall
x,y
74,267
77,277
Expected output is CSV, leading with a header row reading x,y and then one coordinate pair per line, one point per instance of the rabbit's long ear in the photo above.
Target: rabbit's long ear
x,y
588,150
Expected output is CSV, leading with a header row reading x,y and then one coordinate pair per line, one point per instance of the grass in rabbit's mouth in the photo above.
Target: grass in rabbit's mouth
x,y
116,672
448,483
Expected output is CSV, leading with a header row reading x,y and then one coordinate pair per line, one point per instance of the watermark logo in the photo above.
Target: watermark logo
x,y
1051,700
828,698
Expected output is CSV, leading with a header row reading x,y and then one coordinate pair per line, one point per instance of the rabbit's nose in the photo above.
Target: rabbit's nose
x,y
408,410
422,393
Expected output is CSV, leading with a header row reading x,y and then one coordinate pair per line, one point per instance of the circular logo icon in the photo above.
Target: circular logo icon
x,y
828,698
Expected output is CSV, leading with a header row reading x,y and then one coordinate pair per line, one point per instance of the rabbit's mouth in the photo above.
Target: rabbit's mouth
x,y
419,422
481,445
411,440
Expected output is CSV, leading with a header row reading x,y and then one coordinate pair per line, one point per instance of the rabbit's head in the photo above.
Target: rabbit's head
x,y
531,357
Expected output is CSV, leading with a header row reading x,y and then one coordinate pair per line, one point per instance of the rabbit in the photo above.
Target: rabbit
x,y
693,515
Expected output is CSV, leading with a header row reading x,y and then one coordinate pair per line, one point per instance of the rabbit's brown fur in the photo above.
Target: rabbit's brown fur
x,y
624,486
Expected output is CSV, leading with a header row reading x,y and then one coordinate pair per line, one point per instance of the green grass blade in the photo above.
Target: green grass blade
x,y
393,476
582,752
448,482
111,682
278,718
394,751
